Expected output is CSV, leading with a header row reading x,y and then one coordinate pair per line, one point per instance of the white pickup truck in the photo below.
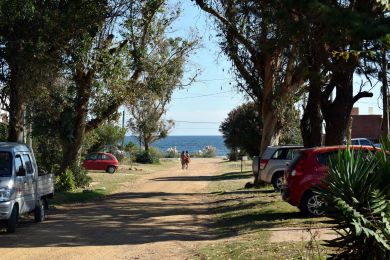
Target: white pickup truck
x,y
22,189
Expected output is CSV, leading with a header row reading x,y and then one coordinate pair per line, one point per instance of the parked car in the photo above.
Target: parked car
x,y
307,171
361,141
273,163
101,161
22,188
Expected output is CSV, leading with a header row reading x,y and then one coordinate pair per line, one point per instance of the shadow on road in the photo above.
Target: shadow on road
x,y
120,219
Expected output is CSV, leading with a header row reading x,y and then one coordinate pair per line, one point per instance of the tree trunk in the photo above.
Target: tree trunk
x,y
385,98
337,113
16,102
146,145
71,145
311,122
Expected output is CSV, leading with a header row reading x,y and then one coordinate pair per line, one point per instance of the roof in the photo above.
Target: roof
x,y
14,147
338,147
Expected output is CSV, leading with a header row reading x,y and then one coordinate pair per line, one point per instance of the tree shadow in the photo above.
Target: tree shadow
x,y
125,218
222,177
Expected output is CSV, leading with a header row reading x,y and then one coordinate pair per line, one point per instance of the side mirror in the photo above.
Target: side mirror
x,y
21,172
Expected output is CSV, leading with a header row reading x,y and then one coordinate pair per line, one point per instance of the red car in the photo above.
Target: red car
x,y
306,171
101,161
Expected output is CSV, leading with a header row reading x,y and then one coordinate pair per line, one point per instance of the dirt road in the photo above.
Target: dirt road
x,y
163,216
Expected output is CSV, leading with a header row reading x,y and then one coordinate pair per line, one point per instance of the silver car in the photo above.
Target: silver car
x,y
274,162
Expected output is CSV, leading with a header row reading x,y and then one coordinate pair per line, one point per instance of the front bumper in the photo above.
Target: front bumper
x,y
5,209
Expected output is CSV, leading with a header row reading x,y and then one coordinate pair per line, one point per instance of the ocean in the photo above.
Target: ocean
x,y
191,144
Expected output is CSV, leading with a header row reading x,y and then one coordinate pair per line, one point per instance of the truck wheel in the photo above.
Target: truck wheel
x,y
312,205
40,213
110,169
12,222
277,181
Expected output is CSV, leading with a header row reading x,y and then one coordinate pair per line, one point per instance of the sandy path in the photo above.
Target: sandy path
x,y
163,216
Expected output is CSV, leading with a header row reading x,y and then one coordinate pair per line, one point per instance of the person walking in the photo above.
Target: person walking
x,y
183,160
187,159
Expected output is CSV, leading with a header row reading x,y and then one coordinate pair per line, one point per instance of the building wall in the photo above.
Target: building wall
x,y
368,126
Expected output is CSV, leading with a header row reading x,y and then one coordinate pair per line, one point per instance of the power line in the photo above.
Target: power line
x,y
194,122
206,95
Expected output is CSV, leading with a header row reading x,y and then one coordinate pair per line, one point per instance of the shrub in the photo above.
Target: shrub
x,y
172,153
65,181
151,156
358,197
207,152
80,176
233,155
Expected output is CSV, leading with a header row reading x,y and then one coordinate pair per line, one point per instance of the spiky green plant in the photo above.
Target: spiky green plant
x,y
356,191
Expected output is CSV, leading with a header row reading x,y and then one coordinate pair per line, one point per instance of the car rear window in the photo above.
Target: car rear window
x,y
324,158
285,154
280,154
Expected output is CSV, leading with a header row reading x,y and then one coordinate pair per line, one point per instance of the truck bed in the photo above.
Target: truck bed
x,y
45,185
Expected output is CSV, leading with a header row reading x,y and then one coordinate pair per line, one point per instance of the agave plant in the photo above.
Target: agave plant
x,y
356,191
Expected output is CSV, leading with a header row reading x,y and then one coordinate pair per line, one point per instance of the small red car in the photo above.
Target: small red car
x,y
101,161
306,171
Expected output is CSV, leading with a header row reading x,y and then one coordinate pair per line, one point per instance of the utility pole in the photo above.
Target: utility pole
x,y
123,127
385,122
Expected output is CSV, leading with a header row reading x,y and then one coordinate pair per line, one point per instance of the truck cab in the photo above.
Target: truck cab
x,y
22,188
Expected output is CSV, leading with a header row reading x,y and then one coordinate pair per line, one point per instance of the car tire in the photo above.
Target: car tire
x,y
277,181
40,211
312,204
111,169
12,222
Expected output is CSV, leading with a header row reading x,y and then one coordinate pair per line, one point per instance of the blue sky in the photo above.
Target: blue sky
x,y
206,103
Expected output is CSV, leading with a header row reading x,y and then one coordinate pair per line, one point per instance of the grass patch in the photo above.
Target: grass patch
x,y
104,184
245,217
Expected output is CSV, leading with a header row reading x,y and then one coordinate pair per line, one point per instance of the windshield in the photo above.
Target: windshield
x,y
5,164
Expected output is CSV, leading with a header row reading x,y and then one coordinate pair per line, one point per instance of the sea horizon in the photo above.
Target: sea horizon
x,y
191,143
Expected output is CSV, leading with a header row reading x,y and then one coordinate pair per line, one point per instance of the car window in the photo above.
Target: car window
x,y
5,164
324,158
18,162
27,162
365,142
291,154
355,142
279,154
92,156
105,157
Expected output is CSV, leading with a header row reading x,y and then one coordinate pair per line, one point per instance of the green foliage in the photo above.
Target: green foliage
x,y
152,156
48,153
3,132
65,181
80,176
356,193
242,129
233,155
107,137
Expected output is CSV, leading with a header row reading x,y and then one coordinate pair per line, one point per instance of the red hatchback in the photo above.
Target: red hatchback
x,y
307,171
101,161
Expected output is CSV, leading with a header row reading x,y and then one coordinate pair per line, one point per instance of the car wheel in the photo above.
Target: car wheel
x,y
312,204
40,212
277,181
12,222
111,169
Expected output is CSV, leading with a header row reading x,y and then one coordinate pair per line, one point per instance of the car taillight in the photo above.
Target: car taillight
x,y
298,169
263,163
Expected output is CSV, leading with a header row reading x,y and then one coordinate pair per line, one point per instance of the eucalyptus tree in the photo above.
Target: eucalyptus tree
x,y
33,38
256,36
163,72
338,33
